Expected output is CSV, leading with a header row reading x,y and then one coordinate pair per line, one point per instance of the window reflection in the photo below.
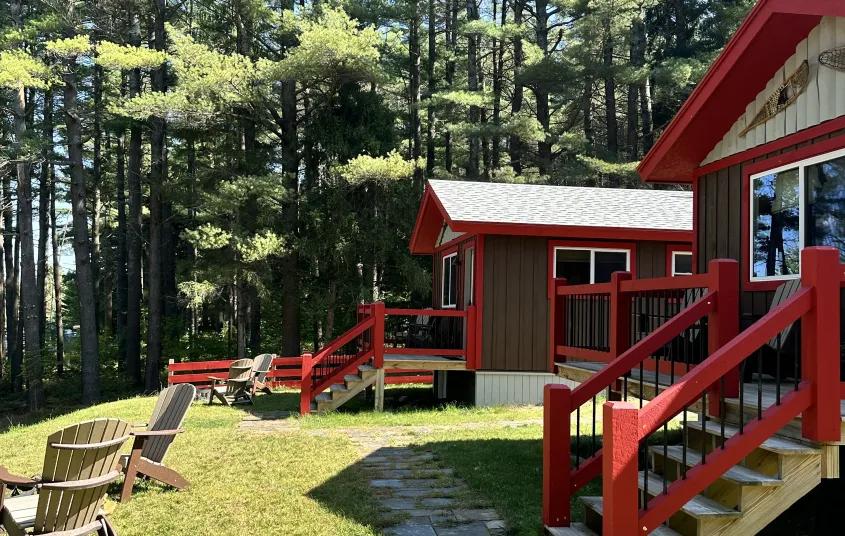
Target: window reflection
x,y
825,204
776,240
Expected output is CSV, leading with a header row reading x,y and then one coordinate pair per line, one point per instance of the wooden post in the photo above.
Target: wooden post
x,y
305,385
820,269
378,335
620,488
169,372
556,455
620,315
380,389
472,360
723,326
557,319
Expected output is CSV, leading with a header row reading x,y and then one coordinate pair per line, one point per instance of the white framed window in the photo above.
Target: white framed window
x,y
581,266
681,263
792,207
449,281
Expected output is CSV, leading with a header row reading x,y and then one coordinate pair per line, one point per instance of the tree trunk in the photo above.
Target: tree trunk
x,y
432,88
645,111
637,62
255,322
120,268
12,303
158,177
544,147
610,94
472,80
515,144
57,282
291,336
589,133
498,68
3,354
81,242
97,178
134,239
331,309
414,52
43,209
452,9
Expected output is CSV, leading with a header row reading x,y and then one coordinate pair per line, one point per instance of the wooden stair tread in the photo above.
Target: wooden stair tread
x,y
352,378
775,444
338,387
736,474
595,504
580,529
323,397
698,507
367,368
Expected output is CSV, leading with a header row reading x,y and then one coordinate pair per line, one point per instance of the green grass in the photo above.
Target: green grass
x,y
291,483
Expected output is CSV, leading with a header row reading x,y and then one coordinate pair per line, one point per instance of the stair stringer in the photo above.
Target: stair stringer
x,y
367,375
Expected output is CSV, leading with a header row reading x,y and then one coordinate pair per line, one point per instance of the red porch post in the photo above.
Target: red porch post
x,y
469,337
723,325
556,455
821,270
305,385
620,488
378,335
557,318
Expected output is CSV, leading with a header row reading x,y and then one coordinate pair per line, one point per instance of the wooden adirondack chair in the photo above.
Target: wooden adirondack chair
x,y
151,445
260,367
235,388
78,466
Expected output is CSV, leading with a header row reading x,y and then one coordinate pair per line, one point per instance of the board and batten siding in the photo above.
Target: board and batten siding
x,y
515,311
719,225
501,388
824,98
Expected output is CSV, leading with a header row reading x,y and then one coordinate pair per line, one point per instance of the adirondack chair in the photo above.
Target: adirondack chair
x,y
233,389
781,346
151,445
79,464
260,367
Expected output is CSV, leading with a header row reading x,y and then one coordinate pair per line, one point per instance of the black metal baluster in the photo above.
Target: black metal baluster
x,y
684,442
777,372
704,427
665,453
645,475
796,353
760,383
742,395
722,410
578,437
593,446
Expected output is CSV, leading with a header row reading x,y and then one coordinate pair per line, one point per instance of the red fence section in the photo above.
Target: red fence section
x,y
286,372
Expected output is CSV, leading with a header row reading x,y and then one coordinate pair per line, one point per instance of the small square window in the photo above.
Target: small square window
x,y
681,263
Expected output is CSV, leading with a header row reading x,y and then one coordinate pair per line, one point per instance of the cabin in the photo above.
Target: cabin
x,y
500,246
498,252
716,405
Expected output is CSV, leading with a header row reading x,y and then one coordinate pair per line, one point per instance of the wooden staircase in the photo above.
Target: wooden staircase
x,y
741,502
340,393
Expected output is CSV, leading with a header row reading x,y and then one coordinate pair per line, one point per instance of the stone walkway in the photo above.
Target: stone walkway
x,y
421,496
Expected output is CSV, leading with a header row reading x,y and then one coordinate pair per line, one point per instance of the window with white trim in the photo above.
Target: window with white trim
x,y
792,207
449,281
581,266
681,263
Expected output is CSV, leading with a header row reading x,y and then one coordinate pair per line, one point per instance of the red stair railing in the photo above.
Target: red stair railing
x,y
655,326
628,429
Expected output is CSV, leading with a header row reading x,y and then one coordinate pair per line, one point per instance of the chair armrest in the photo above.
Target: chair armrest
x,y
13,480
140,425
217,379
157,433
82,484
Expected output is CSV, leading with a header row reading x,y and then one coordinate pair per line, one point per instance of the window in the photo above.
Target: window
x,y
449,281
681,263
795,206
581,266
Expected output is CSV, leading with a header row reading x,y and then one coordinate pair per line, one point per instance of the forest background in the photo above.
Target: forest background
x,y
200,179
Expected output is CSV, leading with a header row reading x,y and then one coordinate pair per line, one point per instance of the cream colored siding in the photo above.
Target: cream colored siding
x,y
501,388
447,236
824,98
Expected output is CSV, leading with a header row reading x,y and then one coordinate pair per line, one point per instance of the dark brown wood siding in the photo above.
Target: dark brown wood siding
x,y
719,225
515,314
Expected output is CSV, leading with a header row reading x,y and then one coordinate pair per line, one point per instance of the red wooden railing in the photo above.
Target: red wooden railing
x,y
369,340
815,397
286,372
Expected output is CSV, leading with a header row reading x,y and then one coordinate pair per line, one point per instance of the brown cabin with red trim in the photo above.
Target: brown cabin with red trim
x,y
764,190
498,246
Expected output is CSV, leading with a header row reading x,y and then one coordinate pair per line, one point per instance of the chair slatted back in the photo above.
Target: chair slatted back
x,y
169,413
71,509
240,373
261,366
783,292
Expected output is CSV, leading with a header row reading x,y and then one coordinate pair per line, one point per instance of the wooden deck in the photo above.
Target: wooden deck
x,y
422,362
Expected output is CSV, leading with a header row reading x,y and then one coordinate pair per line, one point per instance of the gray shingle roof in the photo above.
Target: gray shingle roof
x,y
485,202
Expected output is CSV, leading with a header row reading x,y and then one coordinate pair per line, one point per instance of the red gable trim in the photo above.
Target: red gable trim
x,y
764,41
429,223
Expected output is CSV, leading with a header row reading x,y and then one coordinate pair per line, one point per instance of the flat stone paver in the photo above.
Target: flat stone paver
x,y
470,529
387,483
437,502
398,504
411,530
